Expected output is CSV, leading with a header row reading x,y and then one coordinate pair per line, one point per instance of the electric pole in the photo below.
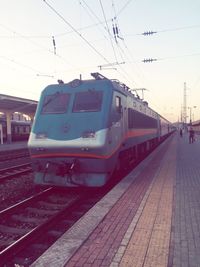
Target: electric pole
x,y
184,104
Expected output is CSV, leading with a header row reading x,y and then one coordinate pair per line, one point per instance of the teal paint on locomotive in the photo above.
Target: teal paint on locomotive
x,y
69,144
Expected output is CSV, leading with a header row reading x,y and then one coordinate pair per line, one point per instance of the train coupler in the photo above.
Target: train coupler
x,y
68,168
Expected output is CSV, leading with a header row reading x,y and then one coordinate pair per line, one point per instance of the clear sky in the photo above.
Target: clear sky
x,y
84,40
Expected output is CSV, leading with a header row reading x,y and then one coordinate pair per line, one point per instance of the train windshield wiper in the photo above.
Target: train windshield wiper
x,y
52,97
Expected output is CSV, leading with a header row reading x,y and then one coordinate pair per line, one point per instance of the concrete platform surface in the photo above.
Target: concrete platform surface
x,y
13,146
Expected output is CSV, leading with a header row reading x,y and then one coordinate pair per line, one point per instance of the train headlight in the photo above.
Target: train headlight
x,y
89,134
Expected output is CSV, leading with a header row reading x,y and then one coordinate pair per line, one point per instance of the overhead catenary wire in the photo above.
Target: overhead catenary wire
x,y
120,44
55,35
108,30
92,14
127,53
76,31
124,56
37,44
153,32
25,38
125,6
106,66
20,64
109,66
145,33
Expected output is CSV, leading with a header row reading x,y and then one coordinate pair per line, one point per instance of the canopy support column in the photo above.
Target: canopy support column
x,y
8,123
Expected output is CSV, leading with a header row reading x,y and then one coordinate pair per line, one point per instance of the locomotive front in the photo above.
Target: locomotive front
x,y
69,141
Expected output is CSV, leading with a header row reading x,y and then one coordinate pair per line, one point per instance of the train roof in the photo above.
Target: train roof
x,y
121,87
196,123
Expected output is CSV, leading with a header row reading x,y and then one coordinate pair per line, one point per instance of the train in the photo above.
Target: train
x,y
86,129
20,130
196,127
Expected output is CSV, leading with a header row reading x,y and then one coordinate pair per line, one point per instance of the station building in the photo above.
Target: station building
x,y
14,108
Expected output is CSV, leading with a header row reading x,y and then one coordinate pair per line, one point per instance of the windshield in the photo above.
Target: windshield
x,y
56,103
88,101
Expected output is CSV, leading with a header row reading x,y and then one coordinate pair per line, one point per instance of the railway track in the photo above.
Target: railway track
x,y
29,228
14,154
30,219
14,171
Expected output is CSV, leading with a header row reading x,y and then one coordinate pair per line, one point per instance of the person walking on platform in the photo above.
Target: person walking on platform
x,y
191,135
181,133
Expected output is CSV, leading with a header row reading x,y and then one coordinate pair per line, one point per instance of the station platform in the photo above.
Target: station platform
x,y
13,146
151,218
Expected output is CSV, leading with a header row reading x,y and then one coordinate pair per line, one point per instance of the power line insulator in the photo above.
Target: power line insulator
x,y
148,33
54,45
149,60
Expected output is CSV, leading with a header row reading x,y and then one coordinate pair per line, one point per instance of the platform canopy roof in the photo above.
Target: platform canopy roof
x,y
16,104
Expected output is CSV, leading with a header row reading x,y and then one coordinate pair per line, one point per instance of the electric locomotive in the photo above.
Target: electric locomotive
x,y
84,129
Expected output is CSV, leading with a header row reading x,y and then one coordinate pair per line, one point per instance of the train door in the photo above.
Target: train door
x,y
116,129
1,134
118,117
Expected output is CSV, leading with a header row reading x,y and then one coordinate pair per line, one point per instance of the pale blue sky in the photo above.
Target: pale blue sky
x,y
83,42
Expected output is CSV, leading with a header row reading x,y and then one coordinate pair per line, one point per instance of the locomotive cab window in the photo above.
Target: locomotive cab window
x,y
55,103
88,101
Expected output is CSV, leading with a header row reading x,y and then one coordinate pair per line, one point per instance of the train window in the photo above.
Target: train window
x,y
139,120
21,129
16,129
88,101
27,129
56,103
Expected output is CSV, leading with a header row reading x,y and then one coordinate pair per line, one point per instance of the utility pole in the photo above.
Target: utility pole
x,y
190,108
184,104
